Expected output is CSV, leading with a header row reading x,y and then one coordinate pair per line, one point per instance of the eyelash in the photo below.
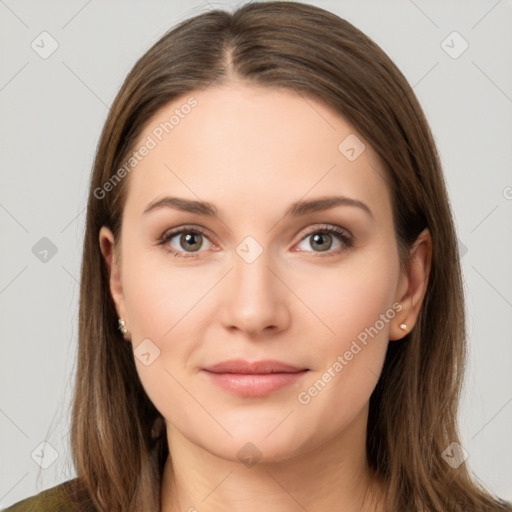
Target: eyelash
x,y
338,232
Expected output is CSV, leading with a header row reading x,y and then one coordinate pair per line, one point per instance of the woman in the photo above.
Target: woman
x,y
268,228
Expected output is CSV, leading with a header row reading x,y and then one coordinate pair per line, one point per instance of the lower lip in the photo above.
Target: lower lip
x,y
254,385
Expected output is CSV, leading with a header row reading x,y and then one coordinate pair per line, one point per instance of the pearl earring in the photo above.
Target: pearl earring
x,y
122,327
403,327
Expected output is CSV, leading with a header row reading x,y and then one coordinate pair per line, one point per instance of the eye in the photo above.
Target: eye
x,y
187,237
322,238
190,239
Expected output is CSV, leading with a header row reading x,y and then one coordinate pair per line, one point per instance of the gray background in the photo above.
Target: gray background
x,y
52,111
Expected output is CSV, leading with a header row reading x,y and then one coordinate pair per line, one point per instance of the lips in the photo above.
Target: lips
x,y
254,380
242,367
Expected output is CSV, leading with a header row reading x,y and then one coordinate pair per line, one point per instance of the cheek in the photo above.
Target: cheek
x,y
356,305
164,306
161,296
167,304
350,298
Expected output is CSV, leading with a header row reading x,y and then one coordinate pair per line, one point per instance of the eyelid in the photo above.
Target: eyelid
x,y
326,227
184,228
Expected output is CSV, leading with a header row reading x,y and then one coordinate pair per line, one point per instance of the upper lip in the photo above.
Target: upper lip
x,y
256,367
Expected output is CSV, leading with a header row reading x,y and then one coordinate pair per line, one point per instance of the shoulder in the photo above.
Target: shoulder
x,y
68,496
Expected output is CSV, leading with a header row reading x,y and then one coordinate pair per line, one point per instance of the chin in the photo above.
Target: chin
x,y
250,445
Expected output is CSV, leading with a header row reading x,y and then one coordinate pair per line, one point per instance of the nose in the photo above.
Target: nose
x,y
255,299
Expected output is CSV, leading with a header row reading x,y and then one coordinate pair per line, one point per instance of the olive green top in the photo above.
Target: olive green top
x,y
56,499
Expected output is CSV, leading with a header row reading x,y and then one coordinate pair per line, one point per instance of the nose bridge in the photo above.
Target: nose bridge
x,y
253,276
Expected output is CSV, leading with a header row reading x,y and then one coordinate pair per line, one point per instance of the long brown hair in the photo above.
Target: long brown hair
x,y
118,438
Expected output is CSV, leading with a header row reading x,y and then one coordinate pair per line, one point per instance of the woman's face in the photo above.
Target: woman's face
x,y
260,279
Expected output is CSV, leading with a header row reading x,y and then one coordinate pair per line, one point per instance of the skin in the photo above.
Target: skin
x,y
252,151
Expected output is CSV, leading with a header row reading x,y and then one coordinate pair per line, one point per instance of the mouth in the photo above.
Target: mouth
x,y
256,379
240,366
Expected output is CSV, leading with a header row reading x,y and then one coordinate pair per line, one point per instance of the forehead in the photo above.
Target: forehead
x,y
253,146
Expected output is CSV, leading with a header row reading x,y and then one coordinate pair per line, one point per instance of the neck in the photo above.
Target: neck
x,y
331,476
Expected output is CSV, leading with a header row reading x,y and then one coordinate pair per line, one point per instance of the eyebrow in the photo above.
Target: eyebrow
x,y
297,209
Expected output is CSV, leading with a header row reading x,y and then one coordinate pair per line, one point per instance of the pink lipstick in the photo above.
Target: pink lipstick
x,y
256,379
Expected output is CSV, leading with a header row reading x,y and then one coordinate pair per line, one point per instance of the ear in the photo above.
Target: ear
x,y
413,286
106,240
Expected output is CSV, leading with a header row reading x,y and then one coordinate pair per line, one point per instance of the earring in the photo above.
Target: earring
x,y
403,327
122,327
